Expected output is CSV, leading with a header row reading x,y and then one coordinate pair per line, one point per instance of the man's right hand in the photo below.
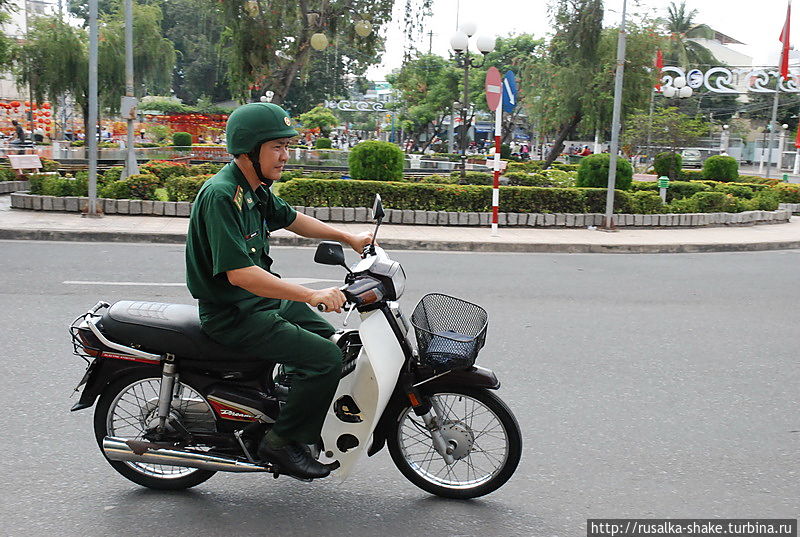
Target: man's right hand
x,y
332,297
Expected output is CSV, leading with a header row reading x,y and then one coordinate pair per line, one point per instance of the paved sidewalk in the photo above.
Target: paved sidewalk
x,y
36,225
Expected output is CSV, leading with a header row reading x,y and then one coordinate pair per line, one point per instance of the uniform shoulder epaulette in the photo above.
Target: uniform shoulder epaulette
x,y
238,196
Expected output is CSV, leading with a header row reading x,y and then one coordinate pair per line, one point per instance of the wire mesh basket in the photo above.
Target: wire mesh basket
x,y
450,331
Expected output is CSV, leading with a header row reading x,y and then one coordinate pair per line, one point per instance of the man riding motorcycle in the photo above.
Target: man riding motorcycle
x,y
243,304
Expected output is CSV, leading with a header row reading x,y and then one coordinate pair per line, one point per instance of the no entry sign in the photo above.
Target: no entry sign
x,y
494,88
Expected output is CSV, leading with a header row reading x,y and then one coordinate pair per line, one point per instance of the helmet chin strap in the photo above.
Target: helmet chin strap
x,y
254,154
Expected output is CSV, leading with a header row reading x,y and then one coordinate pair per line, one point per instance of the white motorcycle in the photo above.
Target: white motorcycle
x,y
175,407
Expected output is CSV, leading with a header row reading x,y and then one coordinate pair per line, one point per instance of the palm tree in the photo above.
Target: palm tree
x,y
682,51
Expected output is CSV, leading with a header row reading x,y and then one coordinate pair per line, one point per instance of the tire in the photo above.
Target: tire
x,y
407,440
141,390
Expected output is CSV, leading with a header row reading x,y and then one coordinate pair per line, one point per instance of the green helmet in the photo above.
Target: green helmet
x,y
253,124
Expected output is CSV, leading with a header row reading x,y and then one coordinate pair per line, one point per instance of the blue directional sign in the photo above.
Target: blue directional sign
x,y
509,92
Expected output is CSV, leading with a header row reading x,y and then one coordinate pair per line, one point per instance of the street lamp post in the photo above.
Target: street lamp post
x,y
724,139
764,150
459,43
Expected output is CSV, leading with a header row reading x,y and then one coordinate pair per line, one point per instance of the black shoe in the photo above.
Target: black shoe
x,y
293,459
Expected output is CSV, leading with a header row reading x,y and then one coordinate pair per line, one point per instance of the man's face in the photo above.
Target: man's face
x,y
274,154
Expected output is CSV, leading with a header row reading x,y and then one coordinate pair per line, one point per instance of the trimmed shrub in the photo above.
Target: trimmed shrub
x,y
376,161
323,143
682,206
165,168
766,200
528,166
505,151
683,189
7,174
181,139
49,165
691,175
438,179
181,188
757,180
206,168
668,163
529,179
740,191
55,185
474,178
714,202
593,172
646,202
113,174
787,192
564,167
596,200
721,168
141,186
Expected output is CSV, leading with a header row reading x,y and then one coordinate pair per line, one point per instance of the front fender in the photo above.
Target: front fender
x,y
474,377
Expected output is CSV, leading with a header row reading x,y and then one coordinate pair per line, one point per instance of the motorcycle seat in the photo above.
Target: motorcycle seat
x,y
161,328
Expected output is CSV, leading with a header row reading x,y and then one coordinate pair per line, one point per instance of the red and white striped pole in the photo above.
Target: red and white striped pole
x,y
494,92
498,115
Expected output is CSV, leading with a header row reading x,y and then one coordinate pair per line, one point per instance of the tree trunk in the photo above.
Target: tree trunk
x,y
558,144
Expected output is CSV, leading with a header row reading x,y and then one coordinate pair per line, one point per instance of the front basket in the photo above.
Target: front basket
x,y
450,331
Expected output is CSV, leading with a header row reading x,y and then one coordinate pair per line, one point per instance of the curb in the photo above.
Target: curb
x,y
407,244
27,201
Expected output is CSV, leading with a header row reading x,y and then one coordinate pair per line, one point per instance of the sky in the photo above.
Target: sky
x,y
758,24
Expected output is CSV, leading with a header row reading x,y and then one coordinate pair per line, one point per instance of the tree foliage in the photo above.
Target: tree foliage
x,y
427,86
319,118
269,42
681,28
668,128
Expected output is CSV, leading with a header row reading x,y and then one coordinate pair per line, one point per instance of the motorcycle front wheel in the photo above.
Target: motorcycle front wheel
x,y
482,433
129,407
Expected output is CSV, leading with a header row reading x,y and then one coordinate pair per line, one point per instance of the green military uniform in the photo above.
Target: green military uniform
x,y
229,229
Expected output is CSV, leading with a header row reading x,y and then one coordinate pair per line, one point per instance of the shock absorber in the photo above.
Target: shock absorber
x,y
168,374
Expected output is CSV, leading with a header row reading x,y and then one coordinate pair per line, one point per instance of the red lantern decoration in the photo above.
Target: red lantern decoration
x,y
47,121
46,105
15,104
27,103
46,114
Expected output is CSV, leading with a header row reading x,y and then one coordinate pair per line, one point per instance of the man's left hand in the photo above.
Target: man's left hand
x,y
359,241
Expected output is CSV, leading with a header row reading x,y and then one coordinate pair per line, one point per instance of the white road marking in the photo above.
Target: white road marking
x,y
298,281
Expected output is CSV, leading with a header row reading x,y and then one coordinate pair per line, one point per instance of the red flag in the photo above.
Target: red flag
x,y
784,68
659,68
797,140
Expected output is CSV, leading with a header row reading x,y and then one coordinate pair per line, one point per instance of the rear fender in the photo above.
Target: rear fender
x,y
104,371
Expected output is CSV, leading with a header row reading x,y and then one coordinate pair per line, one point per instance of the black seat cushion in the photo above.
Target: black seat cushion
x,y
162,328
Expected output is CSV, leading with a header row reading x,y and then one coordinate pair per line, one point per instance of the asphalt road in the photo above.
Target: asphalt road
x,y
661,386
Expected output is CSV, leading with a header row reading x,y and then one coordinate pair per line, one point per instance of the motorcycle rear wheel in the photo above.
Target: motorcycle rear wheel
x,y
129,406
484,435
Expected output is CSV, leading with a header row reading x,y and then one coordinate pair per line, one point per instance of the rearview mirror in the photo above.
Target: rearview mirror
x,y
377,209
330,253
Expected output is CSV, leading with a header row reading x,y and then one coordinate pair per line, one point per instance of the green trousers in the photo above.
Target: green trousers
x,y
292,334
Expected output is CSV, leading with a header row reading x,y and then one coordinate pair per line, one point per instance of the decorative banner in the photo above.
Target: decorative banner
x,y
356,106
732,81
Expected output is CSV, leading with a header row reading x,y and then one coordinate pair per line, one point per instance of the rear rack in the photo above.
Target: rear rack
x,y
84,329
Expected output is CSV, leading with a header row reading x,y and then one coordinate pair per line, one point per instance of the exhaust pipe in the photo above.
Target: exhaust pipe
x,y
120,449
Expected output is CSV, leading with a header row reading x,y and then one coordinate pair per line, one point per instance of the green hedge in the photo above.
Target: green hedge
x,y
141,186
180,188
438,197
165,168
788,192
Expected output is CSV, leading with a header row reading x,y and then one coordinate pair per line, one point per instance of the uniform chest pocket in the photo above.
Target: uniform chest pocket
x,y
254,242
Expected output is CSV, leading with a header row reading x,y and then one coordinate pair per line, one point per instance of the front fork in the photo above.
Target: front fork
x,y
431,412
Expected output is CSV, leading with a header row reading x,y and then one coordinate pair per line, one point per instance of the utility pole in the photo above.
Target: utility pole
x,y
615,124
430,42
91,137
129,101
